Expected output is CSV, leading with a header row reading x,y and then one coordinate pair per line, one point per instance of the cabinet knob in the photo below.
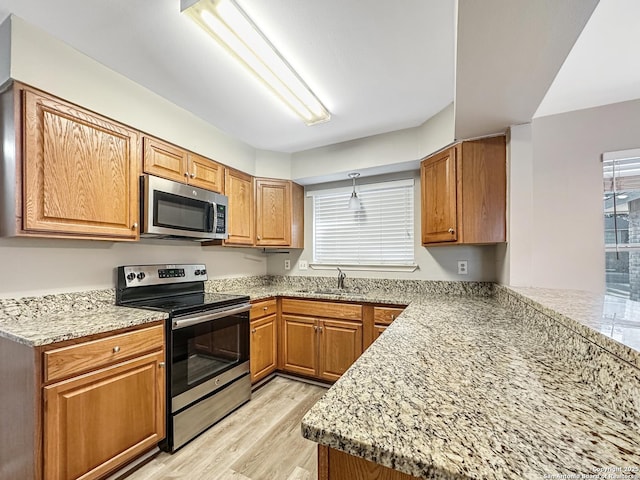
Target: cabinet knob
x,y
161,364
116,349
451,231
265,308
320,329
259,237
134,226
253,330
186,174
393,317
193,175
315,327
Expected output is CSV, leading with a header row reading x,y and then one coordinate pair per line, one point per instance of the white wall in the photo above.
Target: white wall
x,y
434,263
379,154
33,266
565,234
273,164
514,257
5,52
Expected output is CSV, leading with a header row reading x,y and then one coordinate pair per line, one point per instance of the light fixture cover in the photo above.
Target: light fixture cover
x,y
225,21
354,201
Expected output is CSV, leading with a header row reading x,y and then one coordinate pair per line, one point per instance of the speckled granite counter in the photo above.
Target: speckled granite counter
x,y
37,321
462,387
611,322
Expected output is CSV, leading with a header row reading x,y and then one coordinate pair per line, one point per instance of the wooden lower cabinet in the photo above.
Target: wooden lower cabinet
x,y
96,422
340,346
322,348
263,340
106,405
377,330
336,465
300,346
376,320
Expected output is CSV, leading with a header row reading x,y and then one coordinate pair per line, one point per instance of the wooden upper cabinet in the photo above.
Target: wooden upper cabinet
x,y
439,204
80,171
279,213
164,160
273,212
484,190
239,190
174,163
205,173
464,194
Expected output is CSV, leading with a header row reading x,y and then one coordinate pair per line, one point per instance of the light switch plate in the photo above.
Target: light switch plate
x,y
303,265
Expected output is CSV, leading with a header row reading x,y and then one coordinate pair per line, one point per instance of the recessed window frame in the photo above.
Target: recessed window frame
x,y
365,192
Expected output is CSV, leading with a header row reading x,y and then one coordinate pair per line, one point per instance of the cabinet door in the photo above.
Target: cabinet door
x,y
300,352
263,348
239,188
165,160
439,198
377,331
80,171
340,346
273,212
96,422
205,173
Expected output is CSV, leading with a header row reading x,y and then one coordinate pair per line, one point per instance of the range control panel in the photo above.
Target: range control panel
x,y
140,275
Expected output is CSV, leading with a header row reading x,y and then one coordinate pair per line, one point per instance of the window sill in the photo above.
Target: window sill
x,y
364,268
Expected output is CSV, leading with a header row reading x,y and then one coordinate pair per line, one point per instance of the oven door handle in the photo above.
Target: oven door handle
x,y
207,317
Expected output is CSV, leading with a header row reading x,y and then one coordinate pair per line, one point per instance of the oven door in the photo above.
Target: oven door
x,y
209,351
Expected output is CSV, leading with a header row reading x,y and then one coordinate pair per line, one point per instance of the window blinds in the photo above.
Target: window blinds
x,y
380,233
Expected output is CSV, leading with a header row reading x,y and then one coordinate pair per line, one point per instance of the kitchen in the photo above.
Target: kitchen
x,y
76,265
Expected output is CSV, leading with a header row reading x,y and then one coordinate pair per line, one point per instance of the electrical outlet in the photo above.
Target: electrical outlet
x,y
287,264
303,265
462,267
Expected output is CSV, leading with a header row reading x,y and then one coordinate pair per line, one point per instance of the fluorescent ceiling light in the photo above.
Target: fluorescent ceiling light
x,y
225,21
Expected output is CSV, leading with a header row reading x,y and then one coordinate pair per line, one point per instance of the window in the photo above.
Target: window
x,y
381,233
621,175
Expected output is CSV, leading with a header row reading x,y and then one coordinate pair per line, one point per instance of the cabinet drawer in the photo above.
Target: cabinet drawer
x,y
385,315
75,359
322,309
262,309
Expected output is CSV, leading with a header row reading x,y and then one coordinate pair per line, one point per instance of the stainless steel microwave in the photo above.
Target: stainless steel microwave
x,y
174,210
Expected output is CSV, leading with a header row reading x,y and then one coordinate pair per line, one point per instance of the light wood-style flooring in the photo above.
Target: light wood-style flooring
x,y
259,441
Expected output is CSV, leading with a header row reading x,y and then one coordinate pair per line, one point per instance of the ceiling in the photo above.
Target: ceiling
x,y
604,65
377,69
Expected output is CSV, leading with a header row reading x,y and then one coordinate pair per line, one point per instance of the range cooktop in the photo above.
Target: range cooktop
x,y
172,288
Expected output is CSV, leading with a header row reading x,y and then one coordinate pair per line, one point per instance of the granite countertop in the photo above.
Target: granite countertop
x,y
37,321
609,321
466,383
459,387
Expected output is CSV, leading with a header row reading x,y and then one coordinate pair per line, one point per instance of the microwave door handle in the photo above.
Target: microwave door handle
x,y
214,218
191,320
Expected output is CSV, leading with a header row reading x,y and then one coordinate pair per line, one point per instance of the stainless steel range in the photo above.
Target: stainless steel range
x,y
207,344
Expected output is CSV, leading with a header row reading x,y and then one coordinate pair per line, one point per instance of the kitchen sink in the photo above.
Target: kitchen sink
x,y
333,291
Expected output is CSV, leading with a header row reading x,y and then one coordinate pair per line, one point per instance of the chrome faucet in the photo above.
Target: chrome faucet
x,y
341,277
